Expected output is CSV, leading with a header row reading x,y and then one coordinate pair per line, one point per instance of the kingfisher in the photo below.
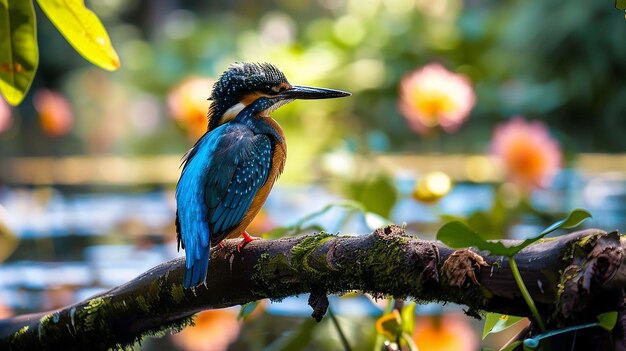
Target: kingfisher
x,y
229,172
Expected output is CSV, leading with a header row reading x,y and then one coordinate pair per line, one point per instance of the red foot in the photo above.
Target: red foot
x,y
246,239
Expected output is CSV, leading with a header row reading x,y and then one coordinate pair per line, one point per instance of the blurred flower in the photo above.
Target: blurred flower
x,y
432,187
448,332
261,223
55,115
433,96
5,311
188,104
5,116
528,154
57,296
214,331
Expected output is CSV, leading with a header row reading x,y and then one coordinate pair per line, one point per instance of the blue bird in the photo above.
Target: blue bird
x,y
229,172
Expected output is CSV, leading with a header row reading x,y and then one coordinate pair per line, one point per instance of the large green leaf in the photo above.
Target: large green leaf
x,y
496,322
457,234
408,318
83,30
19,54
608,320
376,194
296,339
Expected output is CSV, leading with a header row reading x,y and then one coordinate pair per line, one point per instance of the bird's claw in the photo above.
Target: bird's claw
x,y
246,239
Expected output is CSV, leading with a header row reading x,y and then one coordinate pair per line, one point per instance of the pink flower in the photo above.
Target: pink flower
x,y
530,156
5,116
55,115
188,104
433,96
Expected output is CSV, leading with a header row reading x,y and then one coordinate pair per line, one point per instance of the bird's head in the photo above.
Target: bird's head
x,y
244,83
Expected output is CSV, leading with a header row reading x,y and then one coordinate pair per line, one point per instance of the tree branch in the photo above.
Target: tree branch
x,y
571,278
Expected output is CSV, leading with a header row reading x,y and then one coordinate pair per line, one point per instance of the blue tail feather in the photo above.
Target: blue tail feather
x,y
196,273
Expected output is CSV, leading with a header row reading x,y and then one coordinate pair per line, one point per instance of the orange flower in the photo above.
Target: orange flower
x,y
433,96
214,331
529,155
188,104
448,332
55,115
5,116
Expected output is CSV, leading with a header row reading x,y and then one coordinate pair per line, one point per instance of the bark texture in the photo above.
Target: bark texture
x,y
571,278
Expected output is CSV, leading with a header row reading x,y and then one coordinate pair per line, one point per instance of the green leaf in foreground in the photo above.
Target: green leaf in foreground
x,y
457,234
496,322
607,320
408,318
83,30
247,309
19,54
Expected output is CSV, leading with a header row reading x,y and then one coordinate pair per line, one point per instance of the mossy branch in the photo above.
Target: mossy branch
x,y
571,278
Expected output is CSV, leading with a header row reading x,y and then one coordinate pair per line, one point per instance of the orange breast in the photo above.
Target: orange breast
x,y
278,164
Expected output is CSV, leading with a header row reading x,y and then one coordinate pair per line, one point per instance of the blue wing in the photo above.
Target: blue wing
x,y
220,178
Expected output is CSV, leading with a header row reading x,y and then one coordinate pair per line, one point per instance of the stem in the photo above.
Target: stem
x,y
526,294
342,336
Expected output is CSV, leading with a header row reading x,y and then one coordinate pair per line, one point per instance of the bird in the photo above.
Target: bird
x,y
229,172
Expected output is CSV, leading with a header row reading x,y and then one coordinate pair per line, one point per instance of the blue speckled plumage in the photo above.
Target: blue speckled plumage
x,y
229,172
220,178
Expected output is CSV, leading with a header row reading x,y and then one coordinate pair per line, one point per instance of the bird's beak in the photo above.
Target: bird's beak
x,y
310,93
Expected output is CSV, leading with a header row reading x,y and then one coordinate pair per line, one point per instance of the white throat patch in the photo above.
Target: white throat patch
x,y
231,113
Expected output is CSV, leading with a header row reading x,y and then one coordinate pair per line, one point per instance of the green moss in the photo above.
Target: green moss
x,y
272,266
301,251
120,306
580,247
177,293
18,335
93,314
172,328
43,325
265,270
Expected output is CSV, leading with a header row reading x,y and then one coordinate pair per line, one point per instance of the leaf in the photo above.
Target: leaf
x,y
8,240
408,339
457,235
247,309
512,346
620,4
83,30
390,325
408,318
607,320
19,54
297,339
376,194
573,220
496,322
375,221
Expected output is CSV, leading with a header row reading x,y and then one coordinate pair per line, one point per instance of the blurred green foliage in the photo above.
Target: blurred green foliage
x,y
19,53
552,60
